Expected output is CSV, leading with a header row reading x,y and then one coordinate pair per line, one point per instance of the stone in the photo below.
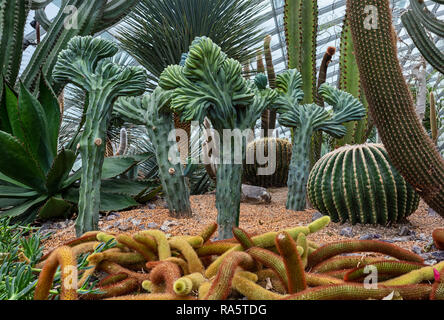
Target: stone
x,y
370,236
151,206
404,231
164,228
136,222
432,213
116,224
416,249
438,255
124,227
346,232
255,194
401,239
152,225
317,215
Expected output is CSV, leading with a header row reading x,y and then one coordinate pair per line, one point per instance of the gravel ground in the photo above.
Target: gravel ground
x,y
413,234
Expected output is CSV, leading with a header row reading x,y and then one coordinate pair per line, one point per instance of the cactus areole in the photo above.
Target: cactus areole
x,y
211,85
83,64
307,119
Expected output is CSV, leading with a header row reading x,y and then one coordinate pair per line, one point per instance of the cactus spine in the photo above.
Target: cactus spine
x,y
282,150
410,149
358,183
81,63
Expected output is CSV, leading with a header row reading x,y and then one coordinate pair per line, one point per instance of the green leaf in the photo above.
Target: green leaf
x,y
16,192
116,202
11,202
16,163
23,208
114,166
54,208
51,107
60,170
35,128
11,105
125,186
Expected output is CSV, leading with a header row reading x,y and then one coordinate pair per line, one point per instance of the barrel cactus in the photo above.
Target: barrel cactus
x,y
359,184
282,149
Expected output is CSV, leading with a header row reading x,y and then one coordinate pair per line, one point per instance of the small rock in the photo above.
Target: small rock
x,y
346,232
151,206
430,262
401,239
164,228
255,194
170,223
136,222
317,215
438,255
432,213
116,224
416,249
107,228
370,236
110,217
124,227
152,225
404,231
423,237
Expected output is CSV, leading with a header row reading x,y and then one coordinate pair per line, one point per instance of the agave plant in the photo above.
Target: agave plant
x,y
306,119
211,85
37,179
83,63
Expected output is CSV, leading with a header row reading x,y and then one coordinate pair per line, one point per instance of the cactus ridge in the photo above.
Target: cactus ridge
x,y
341,262
359,184
387,267
282,148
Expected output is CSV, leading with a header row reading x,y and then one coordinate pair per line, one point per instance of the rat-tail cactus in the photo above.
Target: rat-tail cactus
x,y
281,148
211,85
408,145
83,64
358,183
307,119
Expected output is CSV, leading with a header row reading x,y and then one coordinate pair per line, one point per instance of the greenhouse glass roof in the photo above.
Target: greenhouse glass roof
x,y
331,15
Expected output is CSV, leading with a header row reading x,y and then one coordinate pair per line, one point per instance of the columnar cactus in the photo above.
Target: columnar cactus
x,y
83,64
409,147
417,22
359,184
282,150
211,85
307,119
153,111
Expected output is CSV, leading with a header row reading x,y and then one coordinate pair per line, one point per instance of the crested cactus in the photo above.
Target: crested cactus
x,y
196,93
359,184
281,148
307,119
82,64
417,22
409,147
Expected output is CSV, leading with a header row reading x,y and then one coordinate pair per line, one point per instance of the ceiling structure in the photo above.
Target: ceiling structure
x,y
331,15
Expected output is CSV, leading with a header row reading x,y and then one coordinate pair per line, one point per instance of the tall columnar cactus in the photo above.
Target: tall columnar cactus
x,y
417,22
159,122
307,119
154,112
211,85
358,183
83,64
391,105
268,121
281,148
350,81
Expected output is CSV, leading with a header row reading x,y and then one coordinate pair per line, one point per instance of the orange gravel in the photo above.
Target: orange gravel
x,y
255,219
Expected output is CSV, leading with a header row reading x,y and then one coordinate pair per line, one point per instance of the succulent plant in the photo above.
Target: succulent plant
x,y
359,184
211,85
306,119
408,145
83,63
282,150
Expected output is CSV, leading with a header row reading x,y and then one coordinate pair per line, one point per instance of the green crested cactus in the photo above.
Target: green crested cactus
x,y
154,112
408,145
159,123
83,64
417,22
359,184
307,119
282,150
211,85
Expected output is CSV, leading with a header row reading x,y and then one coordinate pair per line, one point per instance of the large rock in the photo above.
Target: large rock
x,y
254,194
